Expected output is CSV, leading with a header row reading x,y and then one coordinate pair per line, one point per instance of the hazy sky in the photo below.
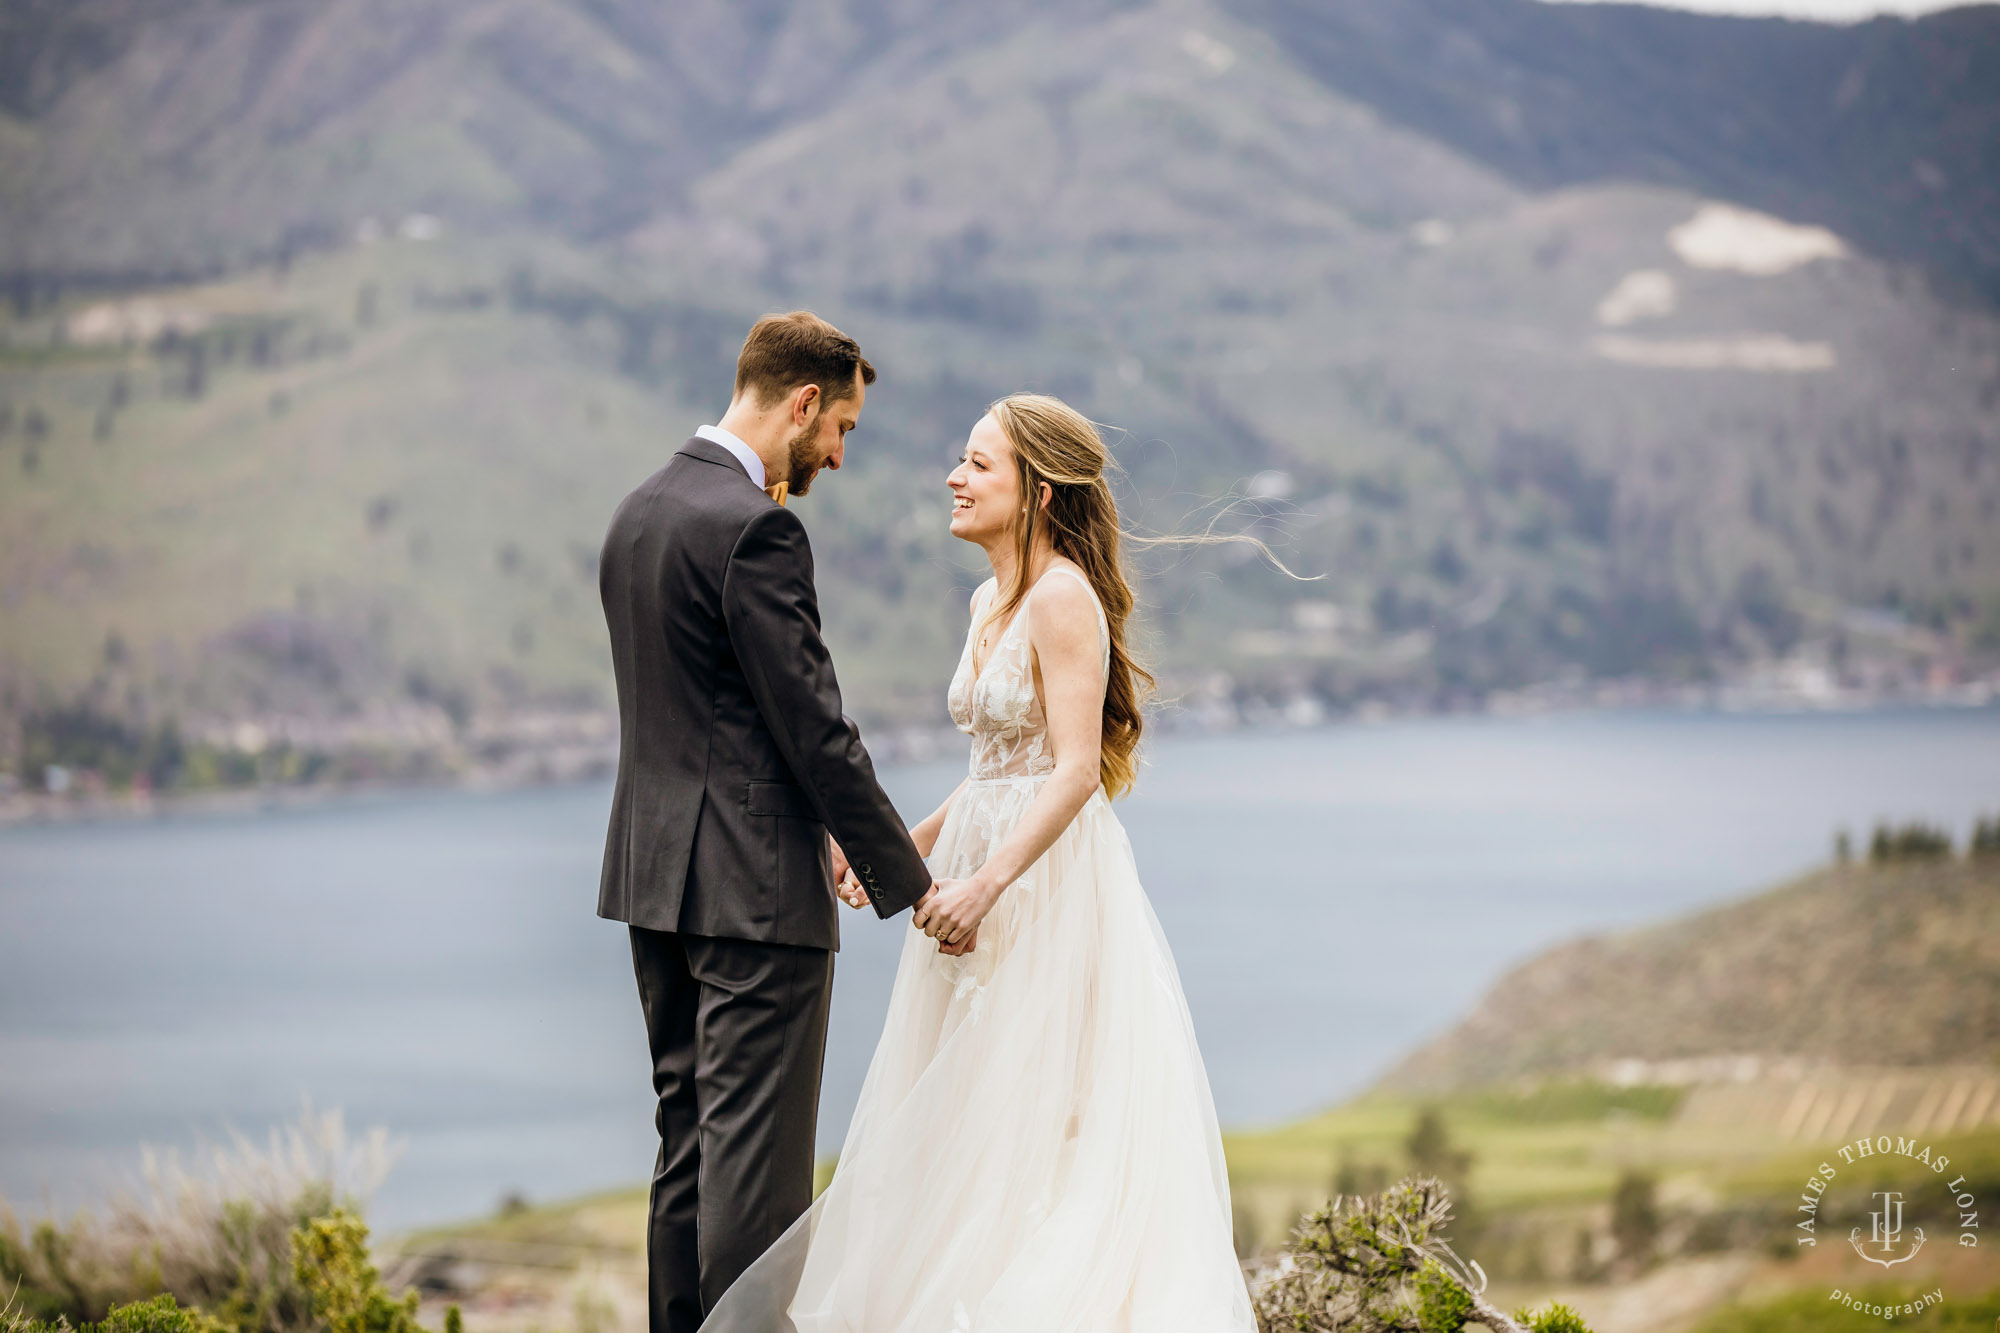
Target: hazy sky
x,y
1837,10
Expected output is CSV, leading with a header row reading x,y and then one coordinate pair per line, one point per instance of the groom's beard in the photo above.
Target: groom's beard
x,y
805,460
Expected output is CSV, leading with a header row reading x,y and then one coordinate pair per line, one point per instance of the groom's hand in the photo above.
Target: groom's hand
x,y
840,867
960,949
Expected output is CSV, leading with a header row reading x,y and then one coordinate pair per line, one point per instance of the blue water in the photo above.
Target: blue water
x,y
431,963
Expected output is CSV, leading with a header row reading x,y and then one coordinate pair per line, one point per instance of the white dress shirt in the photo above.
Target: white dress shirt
x,y
727,439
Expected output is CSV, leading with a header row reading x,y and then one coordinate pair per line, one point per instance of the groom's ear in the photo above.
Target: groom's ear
x,y
806,402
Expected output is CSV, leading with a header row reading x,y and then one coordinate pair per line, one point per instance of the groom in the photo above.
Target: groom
x,y
735,763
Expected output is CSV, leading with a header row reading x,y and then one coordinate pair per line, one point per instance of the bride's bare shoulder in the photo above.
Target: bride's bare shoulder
x,y
1063,605
982,592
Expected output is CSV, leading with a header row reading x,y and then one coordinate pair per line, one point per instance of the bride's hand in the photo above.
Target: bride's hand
x,y
954,911
962,948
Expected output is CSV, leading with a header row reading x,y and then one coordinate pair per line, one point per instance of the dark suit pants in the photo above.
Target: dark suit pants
x,y
738,1036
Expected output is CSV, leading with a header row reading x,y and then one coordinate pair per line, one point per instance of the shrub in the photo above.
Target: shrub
x,y
343,1288
340,1292
217,1237
1985,842
1380,1264
1911,842
1556,1318
161,1314
1635,1219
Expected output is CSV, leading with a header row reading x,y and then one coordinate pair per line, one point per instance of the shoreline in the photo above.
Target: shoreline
x,y
895,747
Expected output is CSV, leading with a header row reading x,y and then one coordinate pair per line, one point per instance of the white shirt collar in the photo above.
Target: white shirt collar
x,y
727,439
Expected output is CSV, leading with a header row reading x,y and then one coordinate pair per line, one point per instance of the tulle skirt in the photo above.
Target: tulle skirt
x,y
1035,1149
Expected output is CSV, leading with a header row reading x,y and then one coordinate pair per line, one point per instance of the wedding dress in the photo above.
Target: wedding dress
x,y
1035,1149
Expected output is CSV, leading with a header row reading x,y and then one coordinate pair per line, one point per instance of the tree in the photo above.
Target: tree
x,y
1635,1218
1432,1153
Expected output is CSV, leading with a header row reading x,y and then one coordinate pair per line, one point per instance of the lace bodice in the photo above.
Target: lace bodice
x,y
1000,708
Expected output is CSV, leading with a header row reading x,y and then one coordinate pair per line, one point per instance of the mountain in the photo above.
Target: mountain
x,y
590,114
199,135
1882,131
1564,342
1856,966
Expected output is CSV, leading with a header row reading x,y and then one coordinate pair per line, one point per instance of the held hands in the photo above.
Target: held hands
x,y
844,883
964,945
951,912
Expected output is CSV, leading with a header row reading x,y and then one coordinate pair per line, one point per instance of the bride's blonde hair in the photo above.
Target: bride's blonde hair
x,y
1056,444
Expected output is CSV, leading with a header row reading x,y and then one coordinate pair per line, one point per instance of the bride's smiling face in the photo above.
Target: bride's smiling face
x,y
985,486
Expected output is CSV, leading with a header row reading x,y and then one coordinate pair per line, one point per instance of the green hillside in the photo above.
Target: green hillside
x,y
1861,965
337,332
382,476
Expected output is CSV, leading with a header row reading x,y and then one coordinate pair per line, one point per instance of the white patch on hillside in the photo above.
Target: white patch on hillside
x,y
1723,236
1217,56
139,320
1645,293
1771,352
1431,233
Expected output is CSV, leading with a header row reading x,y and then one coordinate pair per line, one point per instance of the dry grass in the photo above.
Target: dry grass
x,y
213,1229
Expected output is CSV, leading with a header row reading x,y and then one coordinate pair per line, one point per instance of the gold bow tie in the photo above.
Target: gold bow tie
x,y
779,491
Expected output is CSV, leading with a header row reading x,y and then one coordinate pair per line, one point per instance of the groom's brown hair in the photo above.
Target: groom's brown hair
x,y
786,351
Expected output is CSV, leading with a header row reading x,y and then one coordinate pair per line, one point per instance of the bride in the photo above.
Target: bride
x,y
1035,1149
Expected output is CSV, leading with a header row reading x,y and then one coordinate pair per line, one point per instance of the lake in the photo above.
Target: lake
x,y
430,962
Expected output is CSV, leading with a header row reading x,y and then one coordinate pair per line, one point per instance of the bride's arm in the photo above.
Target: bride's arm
x,y
925,835
1062,626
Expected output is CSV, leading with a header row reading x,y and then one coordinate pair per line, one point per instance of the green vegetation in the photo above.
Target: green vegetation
x,y
160,1314
1811,1312
1635,1218
1909,842
344,1290
333,1287
1985,841
1591,1179
1577,1099
263,1239
1381,1264
1582,1205
63,747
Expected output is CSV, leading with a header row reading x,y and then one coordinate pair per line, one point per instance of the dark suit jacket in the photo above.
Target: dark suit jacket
x,y
734,757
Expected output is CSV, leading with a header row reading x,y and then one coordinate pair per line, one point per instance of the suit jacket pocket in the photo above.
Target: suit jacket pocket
x,y
801,898
777,798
